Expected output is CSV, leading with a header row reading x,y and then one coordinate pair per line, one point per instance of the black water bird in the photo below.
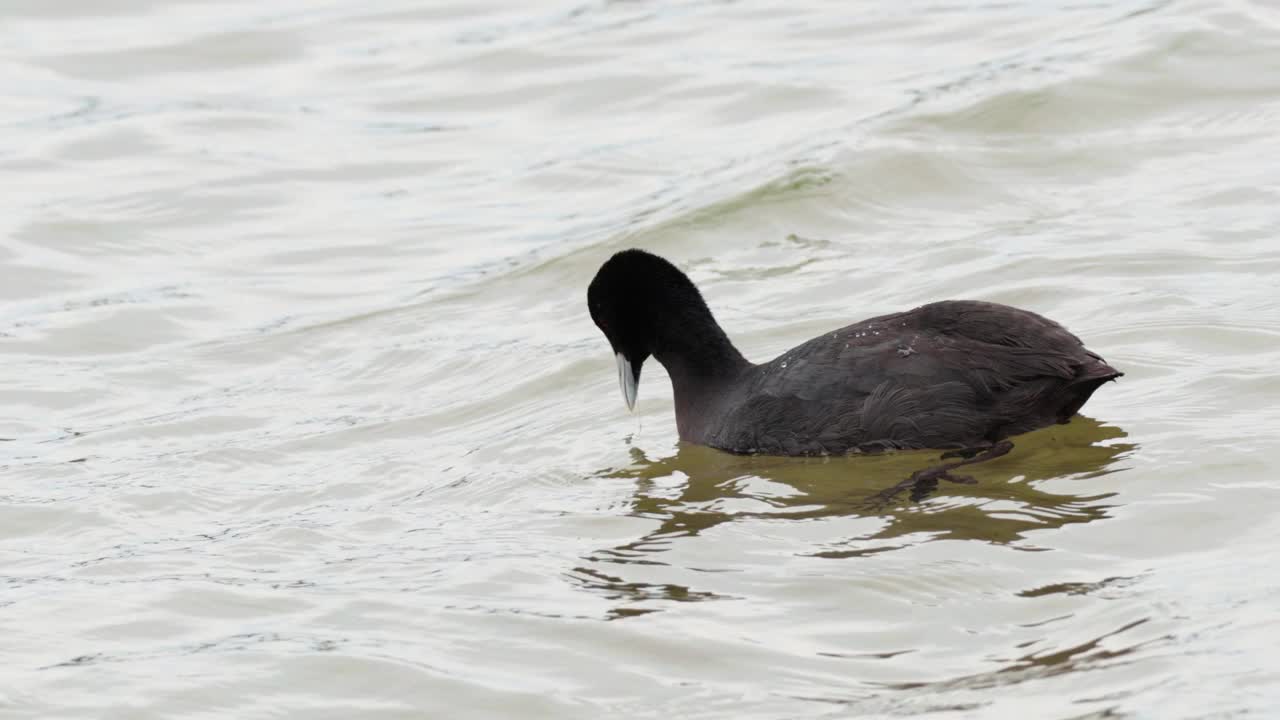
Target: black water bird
x,y
958,375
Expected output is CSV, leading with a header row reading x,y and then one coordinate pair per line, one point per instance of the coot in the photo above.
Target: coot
x,y
957,374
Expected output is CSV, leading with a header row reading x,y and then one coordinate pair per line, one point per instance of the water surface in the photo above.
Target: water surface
x,y
303,415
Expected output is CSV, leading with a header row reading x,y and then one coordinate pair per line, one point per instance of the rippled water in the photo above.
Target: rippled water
x,y
303,414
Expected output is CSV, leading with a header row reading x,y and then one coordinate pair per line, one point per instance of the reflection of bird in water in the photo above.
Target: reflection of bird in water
x,y
699,488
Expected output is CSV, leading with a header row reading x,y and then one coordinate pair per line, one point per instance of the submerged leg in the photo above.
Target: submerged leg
x,y
923,482
966,452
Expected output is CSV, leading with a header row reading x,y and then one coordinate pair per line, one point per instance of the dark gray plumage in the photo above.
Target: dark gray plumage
x,y
952,374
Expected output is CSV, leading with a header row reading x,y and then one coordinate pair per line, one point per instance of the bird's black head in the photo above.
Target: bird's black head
x,y
635,299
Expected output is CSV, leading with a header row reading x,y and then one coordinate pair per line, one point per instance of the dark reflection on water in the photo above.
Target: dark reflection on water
x,y
1090,654
1053,662
699,488
616,588
907,697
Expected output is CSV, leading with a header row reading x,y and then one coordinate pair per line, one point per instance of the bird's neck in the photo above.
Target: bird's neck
x,y
701,361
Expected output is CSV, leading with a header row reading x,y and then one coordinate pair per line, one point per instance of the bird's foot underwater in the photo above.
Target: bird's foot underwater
x,y
965,452
922,483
